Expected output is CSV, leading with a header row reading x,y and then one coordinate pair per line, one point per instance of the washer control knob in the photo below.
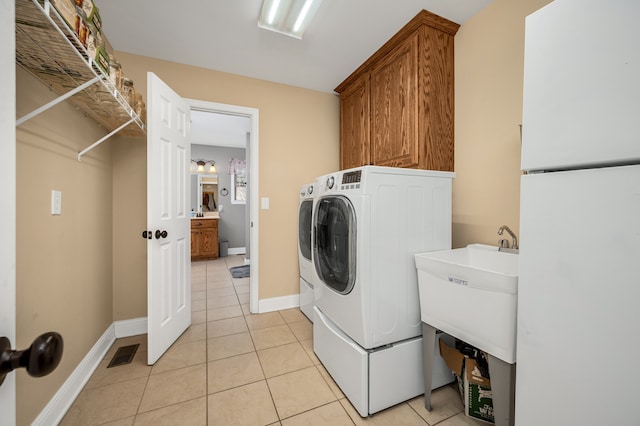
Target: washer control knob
x,y
330,182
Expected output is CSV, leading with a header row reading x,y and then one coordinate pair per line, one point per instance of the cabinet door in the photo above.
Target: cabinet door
x,y
209,246
195,242
436,106
216,247
355,125
394,104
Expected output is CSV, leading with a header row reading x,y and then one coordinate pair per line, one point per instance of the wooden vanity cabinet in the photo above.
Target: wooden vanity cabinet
x,y
204,239
396,109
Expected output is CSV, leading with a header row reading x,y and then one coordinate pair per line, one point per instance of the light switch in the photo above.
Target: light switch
x,y
265,203
56,202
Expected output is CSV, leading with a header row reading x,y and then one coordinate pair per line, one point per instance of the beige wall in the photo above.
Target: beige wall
x,y
129,220
63,271
298,141
489,60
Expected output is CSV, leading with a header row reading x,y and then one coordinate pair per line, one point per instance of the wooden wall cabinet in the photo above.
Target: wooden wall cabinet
x,y
355,129
204,239
397,108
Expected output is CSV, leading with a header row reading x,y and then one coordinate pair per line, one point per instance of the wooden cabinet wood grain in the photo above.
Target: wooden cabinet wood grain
x,y
396,109
204,239
354,123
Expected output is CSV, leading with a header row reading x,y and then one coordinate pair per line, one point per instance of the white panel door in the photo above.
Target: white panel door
x,y
168,198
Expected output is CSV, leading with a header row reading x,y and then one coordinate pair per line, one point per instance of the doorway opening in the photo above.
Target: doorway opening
x,y
251,155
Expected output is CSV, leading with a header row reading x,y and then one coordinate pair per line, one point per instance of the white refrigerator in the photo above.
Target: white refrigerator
x,y
578,332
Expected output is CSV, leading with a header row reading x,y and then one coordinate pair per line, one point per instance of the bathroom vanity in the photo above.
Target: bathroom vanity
x,y
204,238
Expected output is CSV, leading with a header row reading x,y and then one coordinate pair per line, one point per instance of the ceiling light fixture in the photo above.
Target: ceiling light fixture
x,y
288,17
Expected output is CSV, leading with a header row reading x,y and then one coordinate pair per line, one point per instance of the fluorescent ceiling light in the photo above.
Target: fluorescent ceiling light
x,y
288,17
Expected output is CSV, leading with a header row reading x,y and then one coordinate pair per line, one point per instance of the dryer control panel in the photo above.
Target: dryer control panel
x,y
340,181
352,177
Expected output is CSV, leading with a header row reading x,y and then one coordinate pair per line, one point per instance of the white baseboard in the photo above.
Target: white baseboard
x,y
68,392
278,303
131,327
58,406
237,250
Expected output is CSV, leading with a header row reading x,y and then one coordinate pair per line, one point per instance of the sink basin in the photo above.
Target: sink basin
x,y
471,293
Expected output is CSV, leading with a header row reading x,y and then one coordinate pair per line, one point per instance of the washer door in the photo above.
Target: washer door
x,y
335,243
304,228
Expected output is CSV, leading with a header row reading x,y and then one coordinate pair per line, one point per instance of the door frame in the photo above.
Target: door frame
x,y
252,152
8,196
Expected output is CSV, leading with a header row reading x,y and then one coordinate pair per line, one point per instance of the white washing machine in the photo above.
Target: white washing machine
x,y
305,252
368,222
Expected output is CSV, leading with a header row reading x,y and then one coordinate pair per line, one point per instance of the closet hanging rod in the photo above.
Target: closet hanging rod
x,y
57,100
90,147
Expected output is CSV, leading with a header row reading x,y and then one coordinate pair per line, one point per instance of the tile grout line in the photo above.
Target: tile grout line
x,y
206,344
418,414
255,350
206,322
322,405
146,384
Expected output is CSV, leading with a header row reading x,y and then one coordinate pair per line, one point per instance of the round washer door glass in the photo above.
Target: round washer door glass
x,y
335,243
304,228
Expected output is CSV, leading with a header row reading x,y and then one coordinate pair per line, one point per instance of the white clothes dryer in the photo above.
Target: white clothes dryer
x,y
305,252
368,223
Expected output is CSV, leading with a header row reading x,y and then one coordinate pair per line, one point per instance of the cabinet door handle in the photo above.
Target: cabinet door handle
x,y
40,359
161,234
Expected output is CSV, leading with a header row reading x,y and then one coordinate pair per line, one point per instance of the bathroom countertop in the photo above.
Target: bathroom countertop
x,y
214,215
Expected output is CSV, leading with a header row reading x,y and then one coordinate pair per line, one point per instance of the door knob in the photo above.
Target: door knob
x,y
160,234
147,235
40,359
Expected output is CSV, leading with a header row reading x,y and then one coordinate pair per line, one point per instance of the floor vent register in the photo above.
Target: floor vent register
x,y
124,355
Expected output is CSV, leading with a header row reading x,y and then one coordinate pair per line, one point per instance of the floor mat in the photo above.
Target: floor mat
x,y
124,355
240,271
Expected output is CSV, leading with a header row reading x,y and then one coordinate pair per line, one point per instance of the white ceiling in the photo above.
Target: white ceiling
x,y
223,35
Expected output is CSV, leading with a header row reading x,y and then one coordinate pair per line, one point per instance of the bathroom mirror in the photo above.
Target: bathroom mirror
x,y
206,194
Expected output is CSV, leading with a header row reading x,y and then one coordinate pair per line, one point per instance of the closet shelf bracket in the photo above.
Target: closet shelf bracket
x,y
90,147
57,100
51,51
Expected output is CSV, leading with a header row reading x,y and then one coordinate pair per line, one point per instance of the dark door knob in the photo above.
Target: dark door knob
x,y
160,234
147,234
40,359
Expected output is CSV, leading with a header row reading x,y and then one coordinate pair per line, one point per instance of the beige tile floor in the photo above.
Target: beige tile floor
x,y
234,368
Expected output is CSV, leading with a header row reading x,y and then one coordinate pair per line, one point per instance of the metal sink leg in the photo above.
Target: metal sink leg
x,y
428,346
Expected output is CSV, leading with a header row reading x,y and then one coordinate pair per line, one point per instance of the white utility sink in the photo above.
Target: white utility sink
x,y
471,293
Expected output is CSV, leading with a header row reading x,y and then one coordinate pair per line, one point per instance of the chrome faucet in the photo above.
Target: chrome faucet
x,y
514,244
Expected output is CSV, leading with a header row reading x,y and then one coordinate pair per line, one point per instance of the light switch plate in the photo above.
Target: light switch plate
x,y
265,203
56,202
